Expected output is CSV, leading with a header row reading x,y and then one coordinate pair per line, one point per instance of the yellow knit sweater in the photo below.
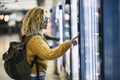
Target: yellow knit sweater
x,y
37,46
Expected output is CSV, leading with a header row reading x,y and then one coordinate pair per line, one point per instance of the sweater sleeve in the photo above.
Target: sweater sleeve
x,y
39,47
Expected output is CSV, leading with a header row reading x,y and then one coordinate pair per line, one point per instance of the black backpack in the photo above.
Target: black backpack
x,y
15,63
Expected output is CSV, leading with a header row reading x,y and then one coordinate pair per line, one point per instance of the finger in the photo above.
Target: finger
x,y
76,36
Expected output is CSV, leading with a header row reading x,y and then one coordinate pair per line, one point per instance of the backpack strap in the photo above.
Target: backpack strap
x,y
35,60
37,67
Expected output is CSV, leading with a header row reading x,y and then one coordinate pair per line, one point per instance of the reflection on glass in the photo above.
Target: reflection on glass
x,y
91,39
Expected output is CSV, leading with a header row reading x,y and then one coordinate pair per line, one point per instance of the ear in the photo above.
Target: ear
x,y
41,11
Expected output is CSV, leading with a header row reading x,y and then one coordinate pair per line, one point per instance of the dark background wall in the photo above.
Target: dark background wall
x,y
111,39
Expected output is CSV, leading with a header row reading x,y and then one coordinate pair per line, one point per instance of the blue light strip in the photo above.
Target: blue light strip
x,y
82,41
89,39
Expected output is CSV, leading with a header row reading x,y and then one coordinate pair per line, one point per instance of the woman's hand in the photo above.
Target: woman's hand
x,y
73,41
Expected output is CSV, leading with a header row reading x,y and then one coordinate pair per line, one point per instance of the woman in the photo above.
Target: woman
x,y
33,23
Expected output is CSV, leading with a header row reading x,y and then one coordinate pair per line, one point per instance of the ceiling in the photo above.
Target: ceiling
x,y
11,11
18,5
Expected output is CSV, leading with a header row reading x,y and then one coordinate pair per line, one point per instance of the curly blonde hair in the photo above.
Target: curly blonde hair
x,y
33,21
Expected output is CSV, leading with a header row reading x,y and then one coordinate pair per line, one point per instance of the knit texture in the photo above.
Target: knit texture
x,y
37,46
